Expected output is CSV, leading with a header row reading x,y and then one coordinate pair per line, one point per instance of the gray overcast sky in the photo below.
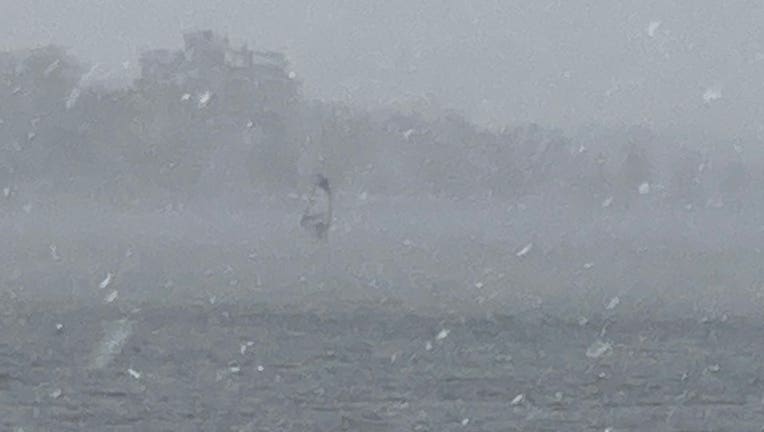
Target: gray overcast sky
x,y
683,63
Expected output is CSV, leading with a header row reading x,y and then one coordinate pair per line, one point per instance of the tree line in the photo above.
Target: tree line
x,y
214,121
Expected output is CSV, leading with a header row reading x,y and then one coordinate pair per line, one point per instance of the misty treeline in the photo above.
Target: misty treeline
x,y
216,122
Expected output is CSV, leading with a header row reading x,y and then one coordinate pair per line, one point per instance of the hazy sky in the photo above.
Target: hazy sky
x,y
683,63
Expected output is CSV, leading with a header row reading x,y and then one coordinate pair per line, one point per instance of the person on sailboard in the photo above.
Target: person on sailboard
x,y
317,218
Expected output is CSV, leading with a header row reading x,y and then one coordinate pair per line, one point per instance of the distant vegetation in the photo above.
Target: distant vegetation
x,y
212,121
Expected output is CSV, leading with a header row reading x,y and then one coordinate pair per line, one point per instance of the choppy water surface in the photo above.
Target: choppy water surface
x,y
220,367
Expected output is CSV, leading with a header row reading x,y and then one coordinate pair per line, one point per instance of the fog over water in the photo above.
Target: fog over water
x,y
381,216
568,151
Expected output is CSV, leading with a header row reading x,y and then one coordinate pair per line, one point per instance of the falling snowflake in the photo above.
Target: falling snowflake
x,y
116,334
111,297
652,28
53,250
243,348
712,94
598,349
52,67
74,95
524,251
106,281
204,99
